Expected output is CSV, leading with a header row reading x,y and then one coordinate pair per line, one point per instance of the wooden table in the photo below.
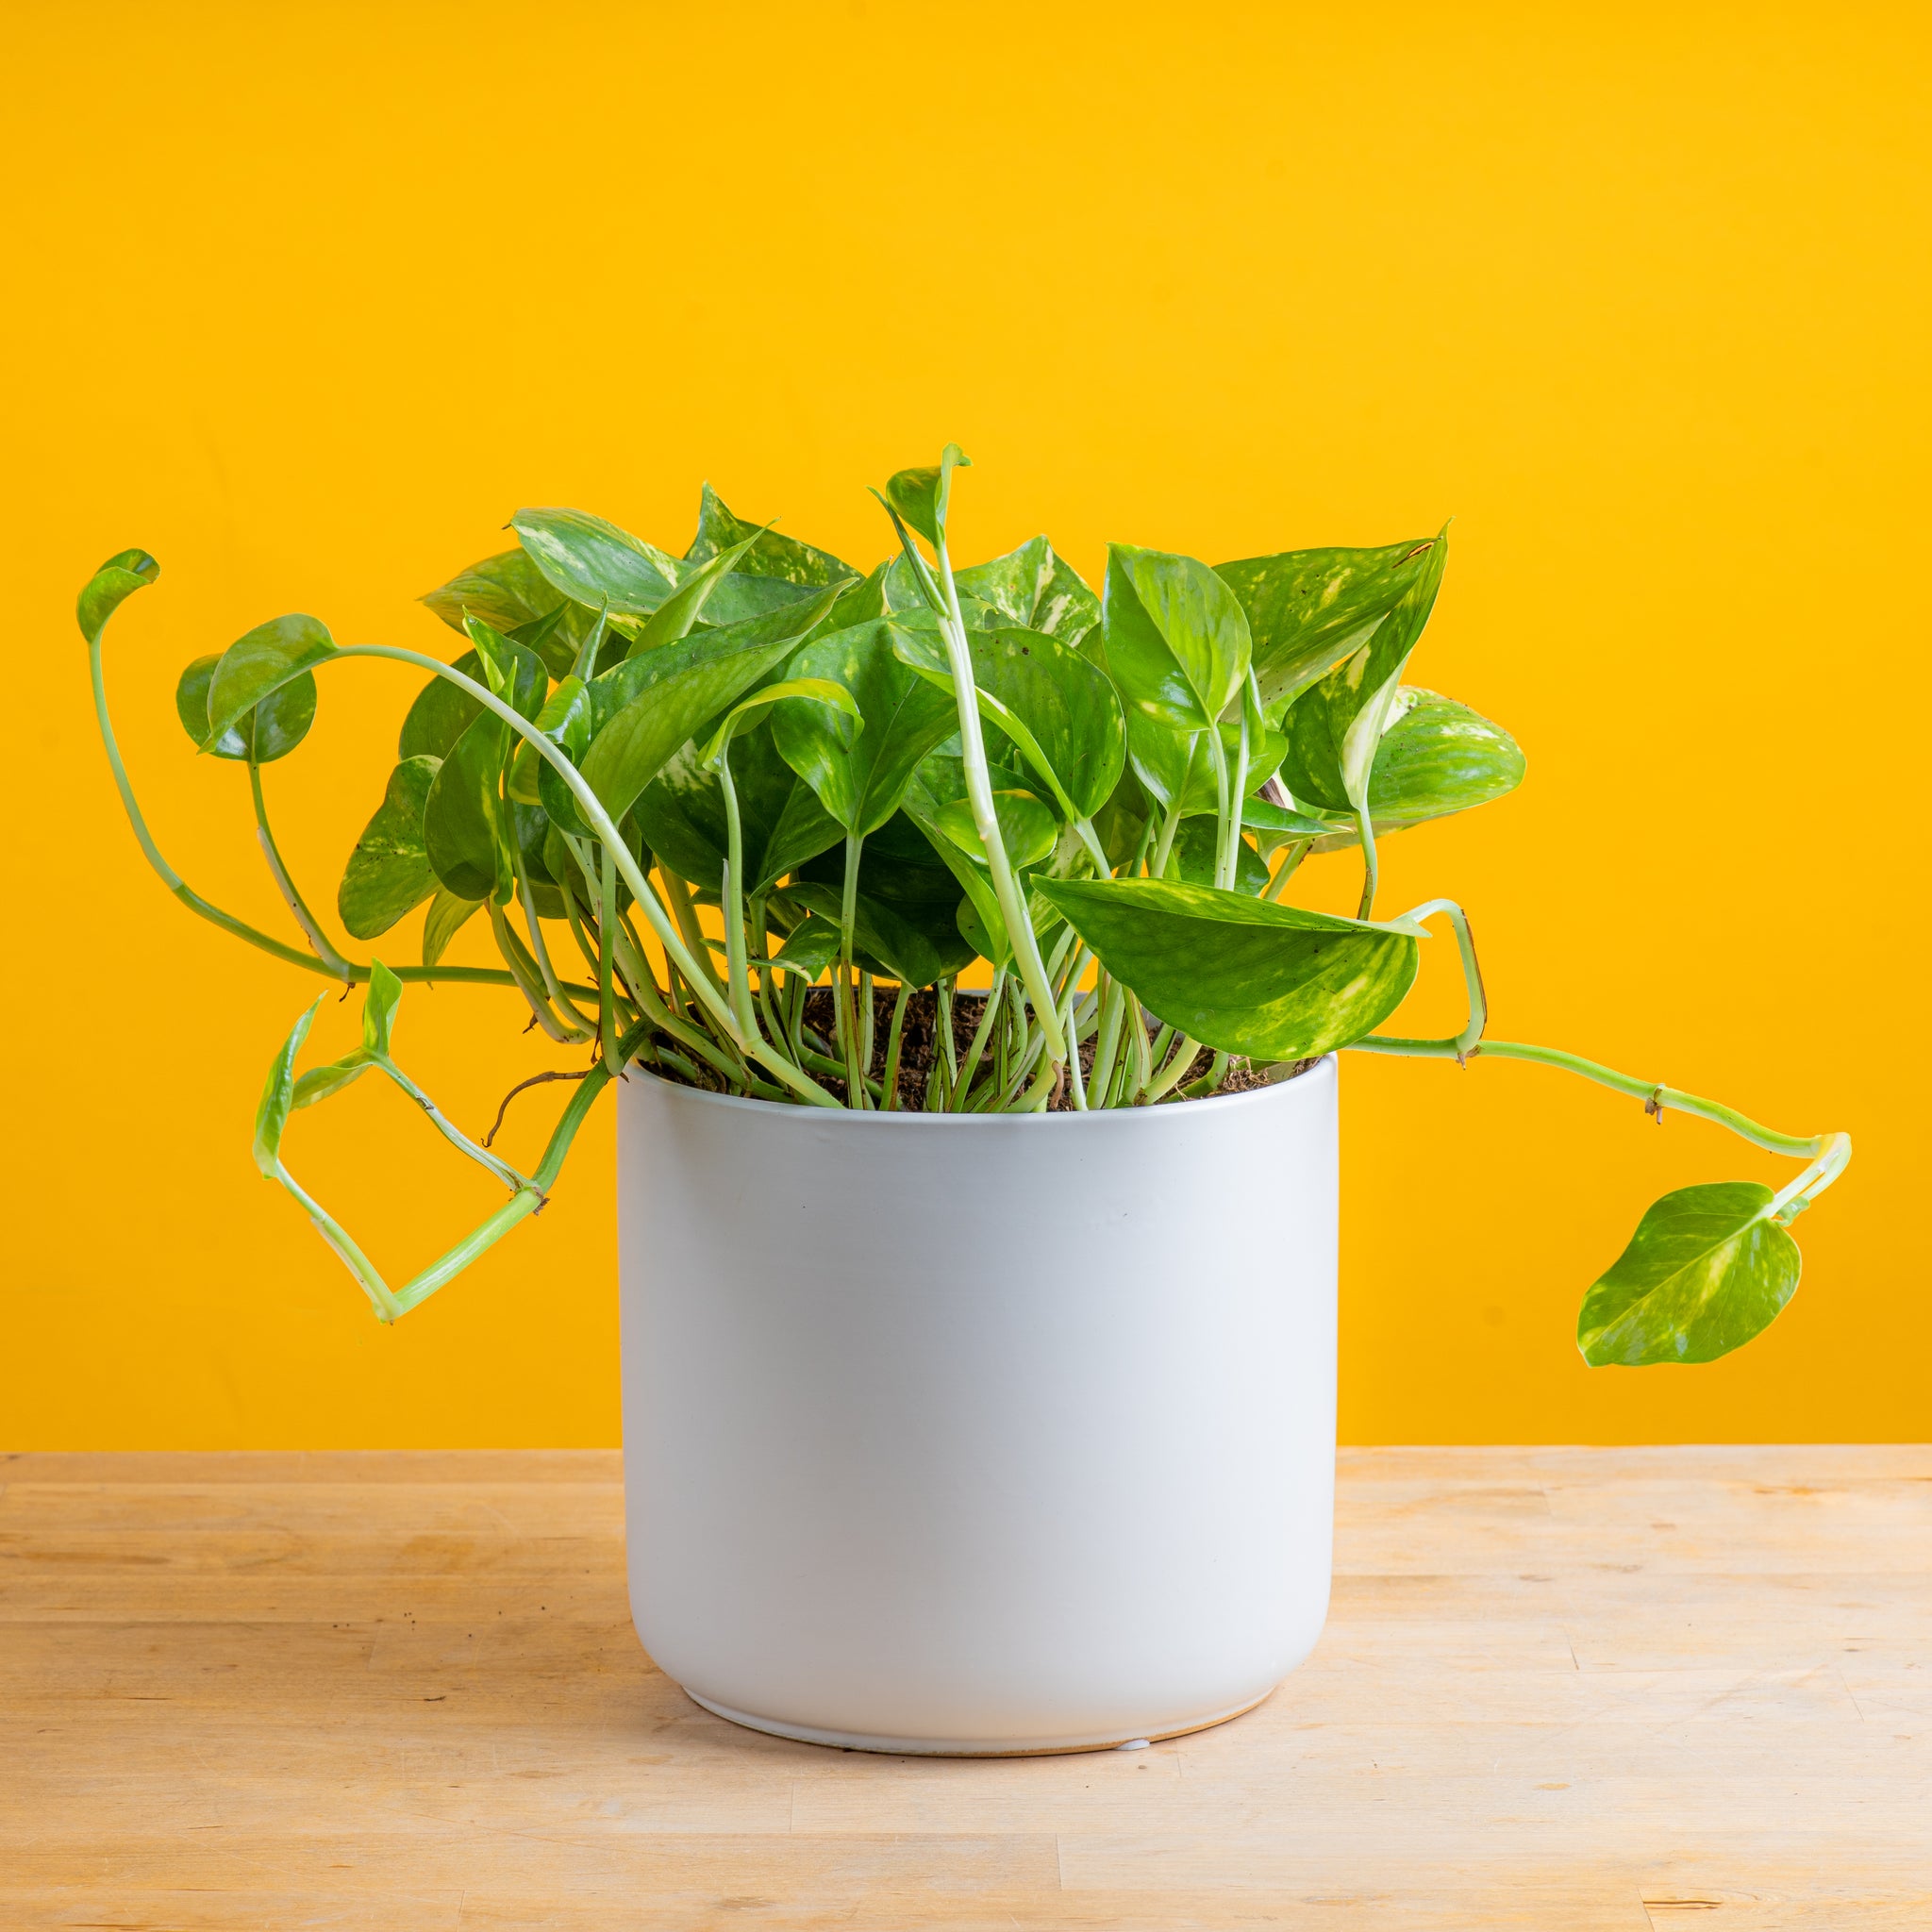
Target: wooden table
x,y
1561,1689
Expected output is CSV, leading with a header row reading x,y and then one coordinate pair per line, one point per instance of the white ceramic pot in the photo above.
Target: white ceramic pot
x,y
978,1435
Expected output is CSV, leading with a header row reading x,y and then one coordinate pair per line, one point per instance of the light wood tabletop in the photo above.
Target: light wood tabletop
x,y
1561,1689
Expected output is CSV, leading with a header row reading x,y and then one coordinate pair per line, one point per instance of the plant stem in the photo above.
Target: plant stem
x,y
981,1034
1366,831
893,1039
737,973
285,882
1012,900
1297,850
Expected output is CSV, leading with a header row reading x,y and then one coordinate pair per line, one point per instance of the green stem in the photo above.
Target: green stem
x,y
607,958
1297,850
1006,885
600,822
1371,866
737,973
1187,1049
894,1039
1827,1154
285,882
524,971
981,1034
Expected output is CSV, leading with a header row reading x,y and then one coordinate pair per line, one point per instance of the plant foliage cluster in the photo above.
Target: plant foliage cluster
x,y
681,791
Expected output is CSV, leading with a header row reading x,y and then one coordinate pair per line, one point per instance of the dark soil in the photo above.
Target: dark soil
x,y
919,1048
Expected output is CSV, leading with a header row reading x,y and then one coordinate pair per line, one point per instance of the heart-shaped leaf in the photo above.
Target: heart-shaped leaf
x,y
255,666
1705,1271
597,564
271,731
1029,831
123,573
861,777
511,595
1334,729
921,495
647,708
1309,610
462,831
1032,588
389,873
1177,638
775,571
1436,758
1240,974
1058,707
446,916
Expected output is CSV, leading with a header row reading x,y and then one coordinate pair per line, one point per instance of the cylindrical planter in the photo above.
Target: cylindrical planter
x,y
978,1434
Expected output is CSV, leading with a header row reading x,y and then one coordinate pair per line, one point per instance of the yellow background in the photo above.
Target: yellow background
x,y
308,300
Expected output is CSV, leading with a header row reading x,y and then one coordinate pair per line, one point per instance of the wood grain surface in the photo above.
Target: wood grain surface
x,y
1566,1689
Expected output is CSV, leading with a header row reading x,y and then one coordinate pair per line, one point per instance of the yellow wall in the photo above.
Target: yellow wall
x,y
308,299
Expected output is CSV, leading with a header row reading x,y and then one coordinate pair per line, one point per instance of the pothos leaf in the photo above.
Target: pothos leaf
x,y
1436,758
271,731
388,872
277,1096
597,564
1335,728
441,923
123,573
255,666
1707,1270
1310,610
1238,974
1177,638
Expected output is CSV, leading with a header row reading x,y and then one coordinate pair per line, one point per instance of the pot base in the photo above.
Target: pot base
x,y
928,1747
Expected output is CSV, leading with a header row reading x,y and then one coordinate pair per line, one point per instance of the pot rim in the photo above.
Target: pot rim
x,y
1163,1110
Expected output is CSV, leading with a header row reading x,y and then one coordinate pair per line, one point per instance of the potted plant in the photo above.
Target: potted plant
x,y
943,1432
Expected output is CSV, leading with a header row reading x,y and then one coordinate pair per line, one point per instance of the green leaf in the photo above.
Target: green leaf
x,y
1309,610
1193,856
1334,729
1175,764
1028,829
462,819
596,563
566,720
1242,975
939,785
1033,589
379,1008
511,595
675,617
1176,638
388,872
646,709
861,777
319,1083
1436,758
900,870
811,949
1058,707
682,814
775,569
920,495
441,924
271,731
818,691
882,942
1705,1271
258,665
124,573
278,1093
